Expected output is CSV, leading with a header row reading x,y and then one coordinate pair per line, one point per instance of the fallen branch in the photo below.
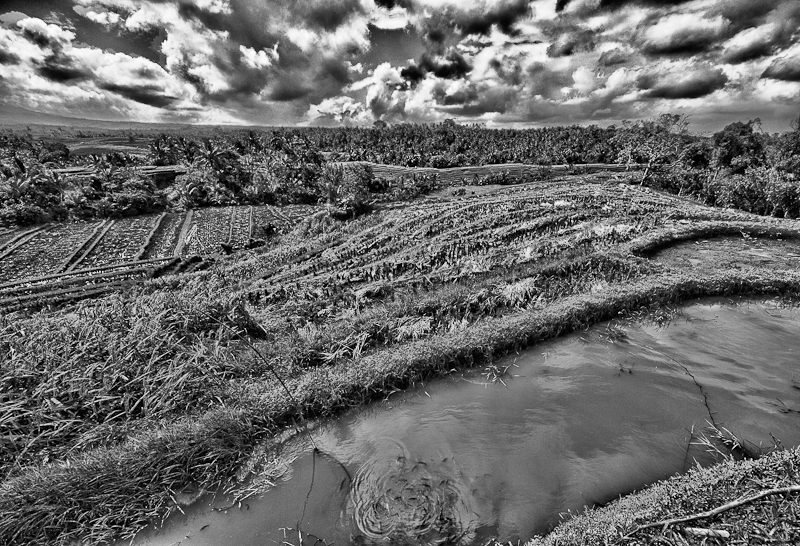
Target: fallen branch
x,y
718,510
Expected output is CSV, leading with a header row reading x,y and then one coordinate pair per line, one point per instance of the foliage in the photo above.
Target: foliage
x,y
739,146
283,166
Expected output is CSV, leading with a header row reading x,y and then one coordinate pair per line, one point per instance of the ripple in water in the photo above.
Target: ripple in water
x,y
403,501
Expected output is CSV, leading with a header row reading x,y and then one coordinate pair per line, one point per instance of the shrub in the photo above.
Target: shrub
x,y
22,214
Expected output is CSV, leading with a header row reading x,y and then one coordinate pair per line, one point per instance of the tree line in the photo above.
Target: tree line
x,y
740,166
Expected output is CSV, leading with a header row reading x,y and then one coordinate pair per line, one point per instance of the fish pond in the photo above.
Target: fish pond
x,y
505,452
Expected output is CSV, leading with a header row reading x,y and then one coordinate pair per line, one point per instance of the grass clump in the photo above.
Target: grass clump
x,y
77,380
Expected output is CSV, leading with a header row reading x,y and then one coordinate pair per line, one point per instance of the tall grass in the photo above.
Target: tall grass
x,y
77,380
109,492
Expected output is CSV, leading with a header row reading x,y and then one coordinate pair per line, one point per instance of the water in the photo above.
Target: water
x,y
575,422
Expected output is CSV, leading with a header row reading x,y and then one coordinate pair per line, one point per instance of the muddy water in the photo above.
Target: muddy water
x,y
732,252
574,422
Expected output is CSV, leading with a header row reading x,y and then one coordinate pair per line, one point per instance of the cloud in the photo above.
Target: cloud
x,y
392,4
259,59
354,61
618,4
744,13
336,110
329,15
503,16
682,82
8,57
45,35
54,73
786,68
105,18
151,96
683,33
569,43
450,66
613,57
749,44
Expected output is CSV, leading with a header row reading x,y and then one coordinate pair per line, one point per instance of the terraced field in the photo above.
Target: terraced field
x,y
457,176
44,252
53,262
444,240
331,316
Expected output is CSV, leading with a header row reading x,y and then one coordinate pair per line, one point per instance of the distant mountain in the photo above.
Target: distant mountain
x,y
15,116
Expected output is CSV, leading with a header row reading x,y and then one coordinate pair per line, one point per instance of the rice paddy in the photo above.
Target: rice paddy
x,y
113,406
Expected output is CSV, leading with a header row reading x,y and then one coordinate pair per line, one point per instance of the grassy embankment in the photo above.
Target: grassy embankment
x,y
113,407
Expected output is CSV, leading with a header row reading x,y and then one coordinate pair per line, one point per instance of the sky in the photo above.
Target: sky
x,y
500,63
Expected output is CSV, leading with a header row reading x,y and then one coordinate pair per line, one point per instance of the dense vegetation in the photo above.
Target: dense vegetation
x,y
739,166
112,407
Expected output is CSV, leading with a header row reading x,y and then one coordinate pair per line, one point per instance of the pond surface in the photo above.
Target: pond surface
x,y
732,252
574,422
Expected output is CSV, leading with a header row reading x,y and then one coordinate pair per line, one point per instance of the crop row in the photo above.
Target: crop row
x,y
56,248
73,286
121,243
437,242
45,252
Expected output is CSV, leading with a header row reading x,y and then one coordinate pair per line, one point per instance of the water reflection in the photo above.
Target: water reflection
x,y
583,419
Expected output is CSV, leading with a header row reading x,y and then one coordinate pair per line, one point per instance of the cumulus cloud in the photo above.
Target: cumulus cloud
x,y
682,82
259,59
683,33
786,68
355,61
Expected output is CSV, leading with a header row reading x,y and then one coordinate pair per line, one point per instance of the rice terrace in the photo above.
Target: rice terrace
x,y
406,334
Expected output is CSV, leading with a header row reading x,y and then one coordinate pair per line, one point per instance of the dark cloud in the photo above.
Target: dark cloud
x,y
617,4
742,54
785,68
391,4
777,27
41,39
510,71
331,14
447,26
435,35
209,19
685,42
504,16
460,97
335,70
7,57
288,89
613,57
143,95
744,13
569,43
695,84
561,4
547,83
493,100
452,66
413,74
395,46
60,69
183,71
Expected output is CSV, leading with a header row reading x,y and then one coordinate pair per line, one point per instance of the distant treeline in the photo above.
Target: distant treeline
x,y
740,166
